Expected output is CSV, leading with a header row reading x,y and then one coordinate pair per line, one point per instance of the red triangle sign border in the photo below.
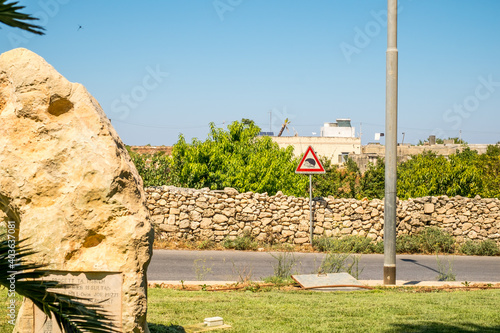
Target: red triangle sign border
x,y
307,170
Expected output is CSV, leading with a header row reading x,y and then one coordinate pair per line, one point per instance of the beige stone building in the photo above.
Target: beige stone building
x,y
371,152
334,148
337,141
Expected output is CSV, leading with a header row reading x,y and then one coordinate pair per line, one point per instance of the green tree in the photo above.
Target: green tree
x,y
340,182
422,175
466,174
154,169
490,162
237,158
10,15
430,174
328,183
373,180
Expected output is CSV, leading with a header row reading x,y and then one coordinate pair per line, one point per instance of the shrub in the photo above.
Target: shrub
x,y
408,244
341,262
436,240
322,243
285,262
348,244
378,247
206,244
488,248
445,270
477,248
245,242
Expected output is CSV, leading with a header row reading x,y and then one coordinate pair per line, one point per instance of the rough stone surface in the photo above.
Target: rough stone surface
x,y
285,219
67,181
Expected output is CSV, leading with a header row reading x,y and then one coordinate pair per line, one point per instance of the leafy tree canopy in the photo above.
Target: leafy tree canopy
x,y
233,157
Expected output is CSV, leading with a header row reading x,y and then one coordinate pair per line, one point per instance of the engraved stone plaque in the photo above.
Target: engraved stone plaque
x,y
104,288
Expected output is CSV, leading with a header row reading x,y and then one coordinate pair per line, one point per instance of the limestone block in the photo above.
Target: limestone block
x,y
346,231
472,234
202,204
208,212
491,205
277,229
428,208
301,240
466,226
171,220
219,218
266,221
157,219
229,212
195,216
68,182
168,227
262,237
359,210
183,224
319,230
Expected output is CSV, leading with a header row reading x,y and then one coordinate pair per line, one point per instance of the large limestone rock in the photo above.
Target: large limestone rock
x,y
68,181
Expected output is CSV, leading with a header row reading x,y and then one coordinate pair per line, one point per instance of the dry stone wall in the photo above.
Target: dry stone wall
x,y
180,213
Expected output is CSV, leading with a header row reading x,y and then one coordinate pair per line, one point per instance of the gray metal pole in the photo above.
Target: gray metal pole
x,y
391,124
310,211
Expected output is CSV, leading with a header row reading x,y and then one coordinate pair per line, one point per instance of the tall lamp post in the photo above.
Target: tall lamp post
x,y
391,124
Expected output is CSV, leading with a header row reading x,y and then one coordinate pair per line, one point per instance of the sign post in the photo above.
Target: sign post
x,y
309,165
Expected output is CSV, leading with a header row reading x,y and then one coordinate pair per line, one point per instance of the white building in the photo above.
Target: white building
x,y
341,129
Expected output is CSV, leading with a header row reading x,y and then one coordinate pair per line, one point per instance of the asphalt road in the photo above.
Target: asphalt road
x,y
177,265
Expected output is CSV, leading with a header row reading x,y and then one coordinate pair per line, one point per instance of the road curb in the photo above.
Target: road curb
x,y
370,283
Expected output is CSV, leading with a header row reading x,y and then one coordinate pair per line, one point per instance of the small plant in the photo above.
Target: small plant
x,y
244,272
206,244
378,247
341,262
445,270
252,287
278,281
204,287
480,248
200,269
436,240
348,244
408,244
322,243
182,283
285,262
241,243
333,263
466,284
353,267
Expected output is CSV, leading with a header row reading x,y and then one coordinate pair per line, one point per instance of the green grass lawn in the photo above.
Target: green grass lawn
x,y
303,311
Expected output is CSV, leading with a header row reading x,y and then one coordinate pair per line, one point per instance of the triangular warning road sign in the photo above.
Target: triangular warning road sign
x,y
310,163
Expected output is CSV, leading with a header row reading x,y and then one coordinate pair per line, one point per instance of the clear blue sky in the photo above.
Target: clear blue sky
x,y
310,61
